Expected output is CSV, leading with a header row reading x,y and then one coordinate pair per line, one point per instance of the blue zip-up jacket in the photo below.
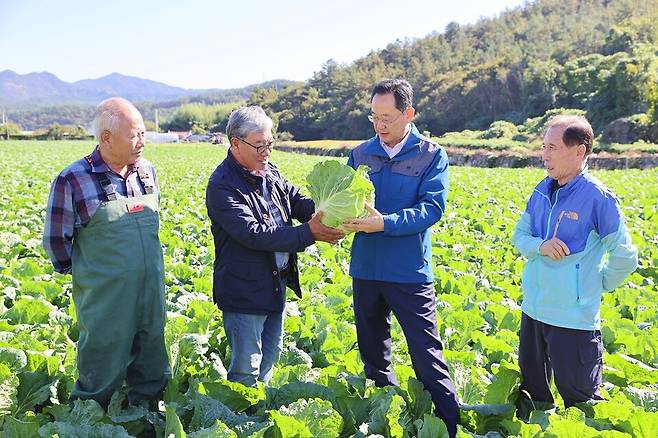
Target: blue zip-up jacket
x,y
567,292
410,192
246,278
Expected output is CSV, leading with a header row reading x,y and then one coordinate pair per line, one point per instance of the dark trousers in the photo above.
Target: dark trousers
x,y
414,307
573,357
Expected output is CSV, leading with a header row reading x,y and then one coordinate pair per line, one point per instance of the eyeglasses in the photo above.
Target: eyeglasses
x,y
384,120
259,148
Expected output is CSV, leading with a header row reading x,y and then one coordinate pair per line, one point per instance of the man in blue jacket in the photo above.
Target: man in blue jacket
x,y
251,208
391,262
570,223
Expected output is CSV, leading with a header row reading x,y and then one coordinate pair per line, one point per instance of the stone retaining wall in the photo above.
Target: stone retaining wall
x,y
485,158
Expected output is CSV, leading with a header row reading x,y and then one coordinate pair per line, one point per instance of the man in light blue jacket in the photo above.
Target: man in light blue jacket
x,y
570,223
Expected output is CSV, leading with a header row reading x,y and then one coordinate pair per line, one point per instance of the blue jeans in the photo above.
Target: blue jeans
x,y
256,342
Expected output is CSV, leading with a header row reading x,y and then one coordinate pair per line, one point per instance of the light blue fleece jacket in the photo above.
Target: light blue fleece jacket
x,y
567,292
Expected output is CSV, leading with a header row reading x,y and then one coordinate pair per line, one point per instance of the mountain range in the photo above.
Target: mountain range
x,y
46,89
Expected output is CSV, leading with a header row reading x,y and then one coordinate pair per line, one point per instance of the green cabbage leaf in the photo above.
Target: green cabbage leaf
x,y
339,191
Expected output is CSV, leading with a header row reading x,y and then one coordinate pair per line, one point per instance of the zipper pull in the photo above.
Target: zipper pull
x,y
577,282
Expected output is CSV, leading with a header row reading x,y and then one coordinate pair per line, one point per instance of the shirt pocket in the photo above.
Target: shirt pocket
x,y
573,231
405,181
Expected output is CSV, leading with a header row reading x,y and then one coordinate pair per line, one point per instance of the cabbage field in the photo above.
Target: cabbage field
x,y
318,388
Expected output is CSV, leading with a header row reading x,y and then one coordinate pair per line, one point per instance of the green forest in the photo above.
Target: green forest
x,y
598,56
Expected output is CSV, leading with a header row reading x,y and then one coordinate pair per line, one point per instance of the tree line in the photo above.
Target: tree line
x,y
595,56
599,56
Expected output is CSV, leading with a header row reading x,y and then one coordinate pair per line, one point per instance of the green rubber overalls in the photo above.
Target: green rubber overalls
x,y
118,290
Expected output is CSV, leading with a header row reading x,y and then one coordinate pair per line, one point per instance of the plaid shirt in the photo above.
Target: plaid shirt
x,y
281,257
75,196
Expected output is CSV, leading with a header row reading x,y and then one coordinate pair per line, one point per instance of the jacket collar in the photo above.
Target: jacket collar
x,y
373,147
545,185
245,173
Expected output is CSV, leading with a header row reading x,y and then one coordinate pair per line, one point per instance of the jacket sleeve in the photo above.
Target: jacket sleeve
x,y
228,209
301,206
350,159
433,192
527,244
622,254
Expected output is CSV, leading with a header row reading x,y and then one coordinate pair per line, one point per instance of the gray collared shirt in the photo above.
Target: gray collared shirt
x,y
281,257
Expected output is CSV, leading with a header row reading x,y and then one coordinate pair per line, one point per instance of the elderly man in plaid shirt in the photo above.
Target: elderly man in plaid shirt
x,y
102,227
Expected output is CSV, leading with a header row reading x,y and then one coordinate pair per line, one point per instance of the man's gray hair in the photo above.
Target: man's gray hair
x,y
247,120
106,117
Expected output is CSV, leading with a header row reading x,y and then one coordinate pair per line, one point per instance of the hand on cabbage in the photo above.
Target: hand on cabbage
x,y
373,223
339,191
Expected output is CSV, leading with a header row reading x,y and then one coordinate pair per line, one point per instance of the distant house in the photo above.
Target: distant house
x,y
217,138
184,137
214,138
196,138
161,137
181,134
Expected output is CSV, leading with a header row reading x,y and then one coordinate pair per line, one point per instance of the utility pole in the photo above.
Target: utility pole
x,y
157,124
6,125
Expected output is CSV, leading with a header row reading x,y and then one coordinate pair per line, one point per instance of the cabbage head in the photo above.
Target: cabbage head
x,y
339,191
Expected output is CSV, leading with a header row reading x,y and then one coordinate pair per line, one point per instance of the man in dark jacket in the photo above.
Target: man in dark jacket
x,y
391,262
251,208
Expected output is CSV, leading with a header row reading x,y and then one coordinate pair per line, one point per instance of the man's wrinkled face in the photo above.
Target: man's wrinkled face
x,y
126,144
562,162
253,152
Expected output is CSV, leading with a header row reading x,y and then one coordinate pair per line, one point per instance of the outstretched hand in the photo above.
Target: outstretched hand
x,y
323,233
371,224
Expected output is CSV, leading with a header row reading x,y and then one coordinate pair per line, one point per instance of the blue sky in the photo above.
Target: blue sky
x,y
214,44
